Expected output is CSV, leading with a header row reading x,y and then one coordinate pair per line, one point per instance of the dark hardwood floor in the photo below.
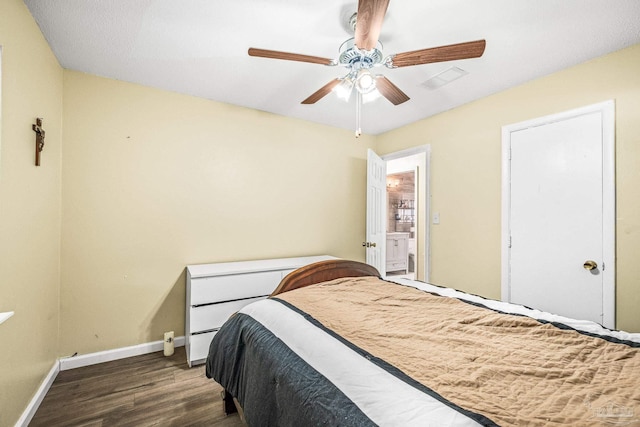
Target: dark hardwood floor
x,y
147,390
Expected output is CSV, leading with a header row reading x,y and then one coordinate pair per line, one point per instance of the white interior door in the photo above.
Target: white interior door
x,y
376,211
557,249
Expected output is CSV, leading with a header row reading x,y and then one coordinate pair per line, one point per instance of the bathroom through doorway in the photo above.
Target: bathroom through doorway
x,y
407,239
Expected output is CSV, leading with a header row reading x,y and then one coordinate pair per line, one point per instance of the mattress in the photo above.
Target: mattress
x,y
362,351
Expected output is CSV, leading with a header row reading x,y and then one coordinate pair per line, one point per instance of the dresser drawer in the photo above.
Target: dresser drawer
x,y
225,288
213,316
199,346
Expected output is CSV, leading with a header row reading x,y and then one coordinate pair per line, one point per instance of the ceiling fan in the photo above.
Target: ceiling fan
x,y
363,52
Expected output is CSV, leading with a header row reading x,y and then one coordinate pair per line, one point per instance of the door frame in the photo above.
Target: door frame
x,y
424,221
607,110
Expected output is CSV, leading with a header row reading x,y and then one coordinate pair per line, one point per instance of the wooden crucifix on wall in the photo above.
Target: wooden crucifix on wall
x,y
37,128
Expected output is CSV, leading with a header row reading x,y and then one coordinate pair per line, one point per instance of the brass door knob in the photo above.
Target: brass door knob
x,y
590,265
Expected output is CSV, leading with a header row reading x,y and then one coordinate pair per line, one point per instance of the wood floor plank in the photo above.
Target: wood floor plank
x,y
146,390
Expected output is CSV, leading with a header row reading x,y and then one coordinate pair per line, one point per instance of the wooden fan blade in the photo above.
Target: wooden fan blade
x,y
321,93
390,91
466,50
275,54
369,22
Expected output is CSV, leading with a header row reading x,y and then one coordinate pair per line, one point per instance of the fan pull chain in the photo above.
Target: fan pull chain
x,y
358,113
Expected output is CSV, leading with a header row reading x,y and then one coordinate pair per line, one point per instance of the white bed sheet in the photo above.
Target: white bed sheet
x,y
580,325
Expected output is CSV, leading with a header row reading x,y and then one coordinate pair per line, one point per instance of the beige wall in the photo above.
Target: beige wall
x,y
466,182
153,181
29,209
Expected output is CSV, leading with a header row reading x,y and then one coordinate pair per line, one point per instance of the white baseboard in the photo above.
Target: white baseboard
x,y
115,354
64,364
33,406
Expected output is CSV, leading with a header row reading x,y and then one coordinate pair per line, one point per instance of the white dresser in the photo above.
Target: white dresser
x,y
216,291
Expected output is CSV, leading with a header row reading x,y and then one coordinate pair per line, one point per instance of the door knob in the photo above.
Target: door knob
x,y
369,244
590,265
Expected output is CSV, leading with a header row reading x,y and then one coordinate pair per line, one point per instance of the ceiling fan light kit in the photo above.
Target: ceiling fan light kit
x,y
345,88
364,51
365,82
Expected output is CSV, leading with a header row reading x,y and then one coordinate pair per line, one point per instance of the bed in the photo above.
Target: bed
x,y
336,345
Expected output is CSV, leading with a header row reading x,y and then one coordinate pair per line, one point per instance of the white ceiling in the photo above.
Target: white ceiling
x,y
199,47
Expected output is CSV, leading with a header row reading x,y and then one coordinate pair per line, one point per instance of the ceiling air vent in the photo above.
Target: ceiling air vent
x,y
445,77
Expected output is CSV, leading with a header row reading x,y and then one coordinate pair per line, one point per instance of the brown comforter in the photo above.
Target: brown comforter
x,y
512,369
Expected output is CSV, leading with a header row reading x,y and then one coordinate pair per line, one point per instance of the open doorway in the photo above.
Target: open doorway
x,y
401,224
407,240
